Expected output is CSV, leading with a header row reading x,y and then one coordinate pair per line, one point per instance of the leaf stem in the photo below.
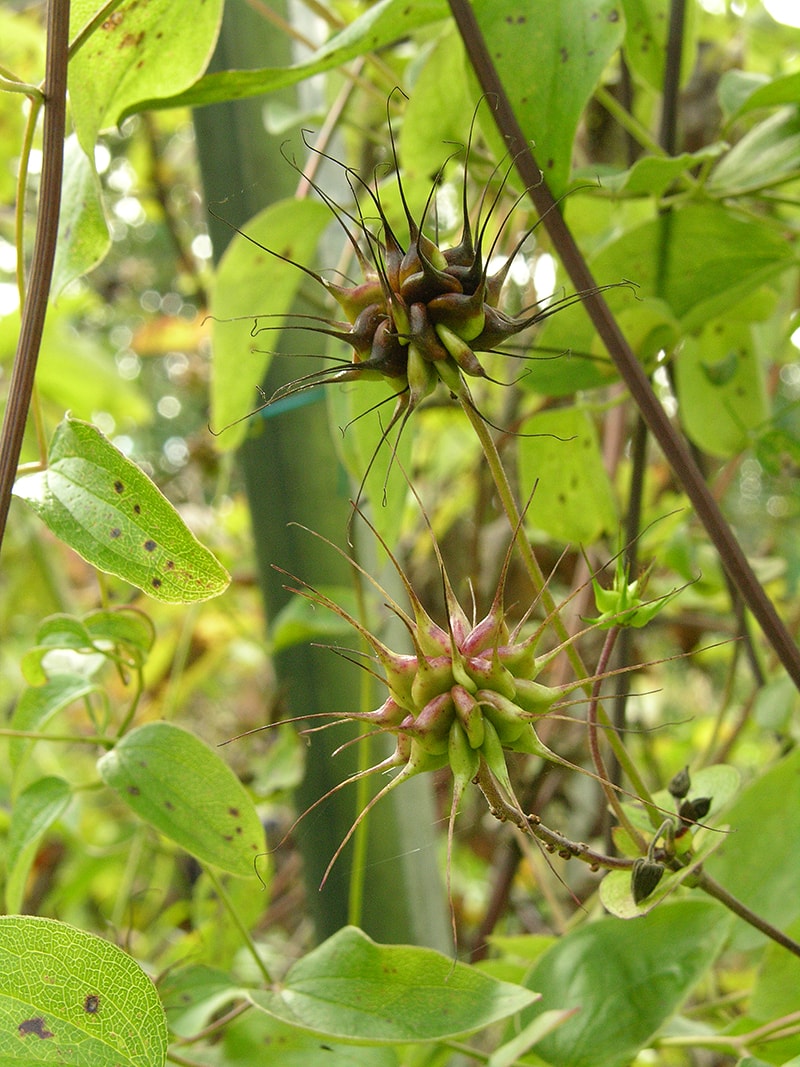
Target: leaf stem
x,y
509,504
223,895
714,889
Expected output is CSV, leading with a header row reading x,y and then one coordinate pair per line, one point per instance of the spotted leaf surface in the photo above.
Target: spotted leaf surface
x,y
181,787
70,997
105,508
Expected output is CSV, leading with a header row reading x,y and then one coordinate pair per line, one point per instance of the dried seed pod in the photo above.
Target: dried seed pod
x,y
645,877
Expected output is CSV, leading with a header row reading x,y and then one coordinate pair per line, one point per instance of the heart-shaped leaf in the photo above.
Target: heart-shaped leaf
x,y
352,989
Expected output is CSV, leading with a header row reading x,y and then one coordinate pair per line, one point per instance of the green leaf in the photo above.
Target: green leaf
x,y
767,155
193,995
140,51
353,411
105,508
436,117
529,1036
647,30
83,237
574,500
653,175
34,812
379,26
733,256
718,371
257,1039
742,91
754,862
38,704
568,46
70,997
356,991
257,287
128,630
180,786
775,990
626,979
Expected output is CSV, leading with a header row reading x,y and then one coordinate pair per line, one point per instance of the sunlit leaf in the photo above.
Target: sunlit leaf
x,y
256,1038
647,30
83,237
38,704
766,156
568,46
139,51
105,508
718,370
733,256
753,862
574,500
378,26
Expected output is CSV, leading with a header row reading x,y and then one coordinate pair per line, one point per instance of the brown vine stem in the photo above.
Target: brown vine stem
x,y
35,306
530,824
567,849
672,445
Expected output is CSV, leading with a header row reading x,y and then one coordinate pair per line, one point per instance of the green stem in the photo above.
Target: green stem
x,y
222,893
594,743
80,739
358,870
628,123
509,504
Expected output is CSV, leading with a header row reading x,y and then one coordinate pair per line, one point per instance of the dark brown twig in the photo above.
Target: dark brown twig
x,y
35,307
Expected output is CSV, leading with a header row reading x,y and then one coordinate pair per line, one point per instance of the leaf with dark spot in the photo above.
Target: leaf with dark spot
x,y
34,1026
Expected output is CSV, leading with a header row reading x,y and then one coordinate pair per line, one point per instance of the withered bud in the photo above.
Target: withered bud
x,y
680,784
645,877
692,810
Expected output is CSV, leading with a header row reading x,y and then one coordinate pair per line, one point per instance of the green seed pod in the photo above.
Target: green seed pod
x,y
508,720
434,676
431,727
491,674
489,635
529,743
464,759
492,752
469,715
461,352
460,315
535,698
520,659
